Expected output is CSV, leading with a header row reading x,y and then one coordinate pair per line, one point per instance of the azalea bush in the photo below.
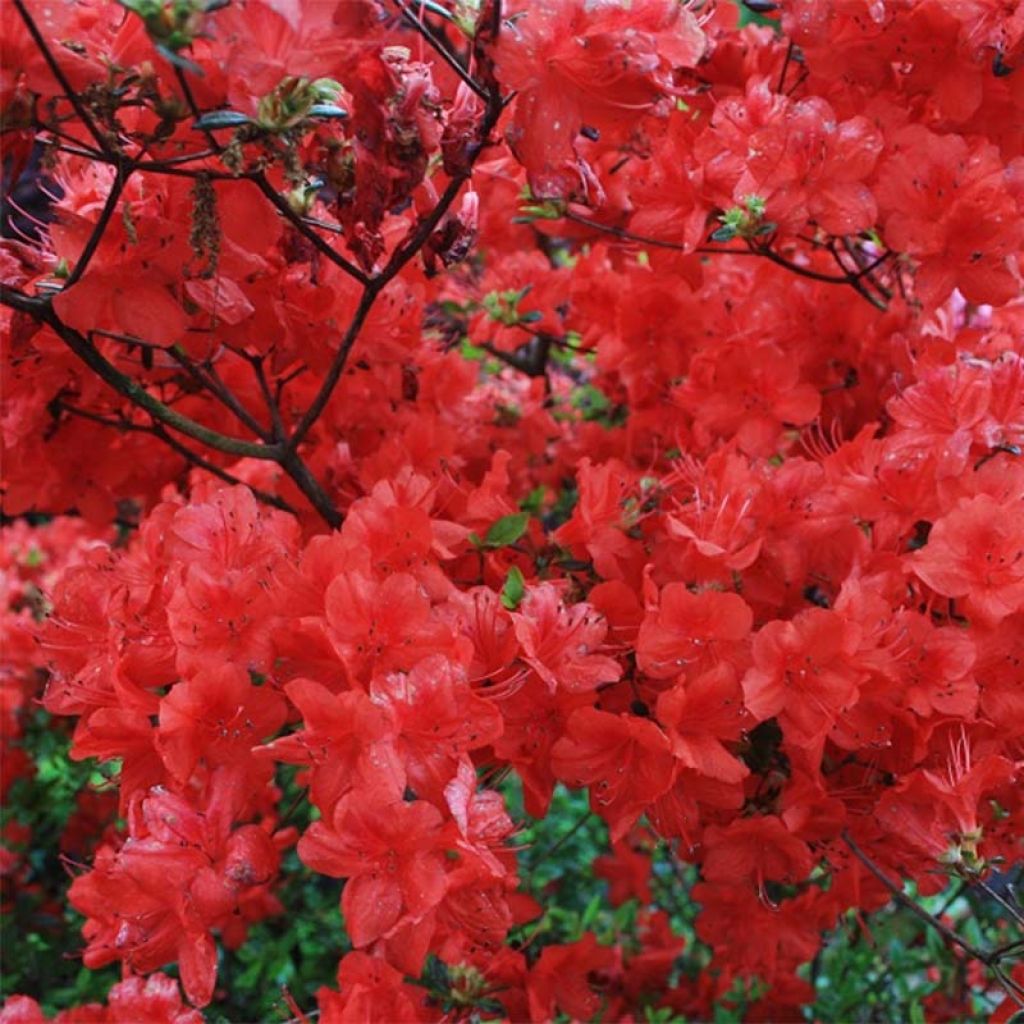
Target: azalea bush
x,y
513,510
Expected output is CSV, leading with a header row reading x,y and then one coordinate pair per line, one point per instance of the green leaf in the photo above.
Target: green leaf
x,y
726,233
589,915
171,55
327,110
534,501
507,530
755,205
221,119
551,209
514,590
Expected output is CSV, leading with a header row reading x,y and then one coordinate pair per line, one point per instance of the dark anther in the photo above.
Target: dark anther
x,y
816,595
999,68
922,528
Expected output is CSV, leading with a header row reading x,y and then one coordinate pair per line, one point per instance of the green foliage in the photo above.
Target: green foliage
x,y
886,967
507,530
514,589
298,950
557,866
39,931
745,221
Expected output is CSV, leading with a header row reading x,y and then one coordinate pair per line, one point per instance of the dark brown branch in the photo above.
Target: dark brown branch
x,y
310,487
70,94
399,258
1009,949
96,236
864,270
282,206
278,431
999,898
623,234
785,66
441,47
131,389
157,166
87,151
323,225
289,461
190,100
913,906
82,151
211,379
812,275
155,430
531,358
202,463
170,165
31,304
330,381
853,280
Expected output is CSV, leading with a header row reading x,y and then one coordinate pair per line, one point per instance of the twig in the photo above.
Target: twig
x,y
1013,911
752,250
442,50
156,430
209,376
310,486
276,423
282,206
313,222
813,275
1008,948
70,94
564,838
193,107
96,236
785,66
912,905
399,258
173,161
134,391
627,236
333,375
854,280
42,126
531,358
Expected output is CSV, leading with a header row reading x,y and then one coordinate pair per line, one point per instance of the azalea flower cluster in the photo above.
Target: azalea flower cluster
x,y
603,394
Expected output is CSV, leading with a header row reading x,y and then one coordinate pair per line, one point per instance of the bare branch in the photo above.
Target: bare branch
x,y
283,207
399,258
70,94
93,242
765,252
138,395
912,905
439,45
330,381
156,430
